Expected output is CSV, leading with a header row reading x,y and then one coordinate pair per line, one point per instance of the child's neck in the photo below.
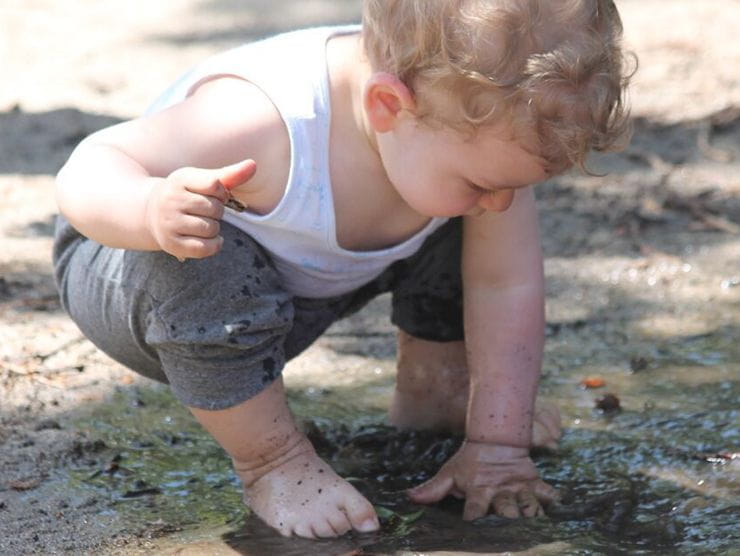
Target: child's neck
x,y
362,192
349,70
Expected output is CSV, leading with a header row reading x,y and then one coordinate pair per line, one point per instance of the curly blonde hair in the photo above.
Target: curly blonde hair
x,y
554,69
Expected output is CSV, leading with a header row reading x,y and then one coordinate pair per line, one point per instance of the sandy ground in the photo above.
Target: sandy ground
x,y
653,250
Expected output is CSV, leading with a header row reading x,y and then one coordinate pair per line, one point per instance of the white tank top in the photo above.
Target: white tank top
x,y
300,233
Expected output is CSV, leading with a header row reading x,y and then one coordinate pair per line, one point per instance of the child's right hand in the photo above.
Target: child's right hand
x,y
184,210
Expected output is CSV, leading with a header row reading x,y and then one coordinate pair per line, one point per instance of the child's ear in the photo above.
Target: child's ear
x,y
385,98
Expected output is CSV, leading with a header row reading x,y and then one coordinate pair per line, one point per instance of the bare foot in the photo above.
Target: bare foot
x,y
303,496
285,483
432,392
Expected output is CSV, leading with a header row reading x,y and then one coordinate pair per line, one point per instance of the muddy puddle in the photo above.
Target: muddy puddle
x,y
658,474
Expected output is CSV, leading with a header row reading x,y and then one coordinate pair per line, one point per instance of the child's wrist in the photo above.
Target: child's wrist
x,y
499,450
151,216
511,425
519,437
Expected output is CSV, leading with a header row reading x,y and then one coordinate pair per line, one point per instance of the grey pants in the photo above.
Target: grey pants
x,y
220,329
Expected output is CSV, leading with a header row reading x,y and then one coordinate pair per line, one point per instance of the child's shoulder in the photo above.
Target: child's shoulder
x,y
230,95
251,127
276,63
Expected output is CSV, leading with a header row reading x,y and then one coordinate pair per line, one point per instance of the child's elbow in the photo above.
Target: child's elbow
x,y
70,178
62,191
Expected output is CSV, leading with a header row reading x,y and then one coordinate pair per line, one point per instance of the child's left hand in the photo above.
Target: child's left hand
x,y
489,475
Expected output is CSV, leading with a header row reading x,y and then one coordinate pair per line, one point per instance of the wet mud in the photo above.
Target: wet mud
x,y
657,475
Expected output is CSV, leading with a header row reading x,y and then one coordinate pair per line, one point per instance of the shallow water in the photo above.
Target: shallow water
x,y
659,475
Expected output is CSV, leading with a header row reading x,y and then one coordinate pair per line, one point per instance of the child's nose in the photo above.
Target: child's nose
x,y
497,201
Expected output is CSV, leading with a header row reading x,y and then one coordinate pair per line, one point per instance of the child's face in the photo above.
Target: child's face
x,y
441,172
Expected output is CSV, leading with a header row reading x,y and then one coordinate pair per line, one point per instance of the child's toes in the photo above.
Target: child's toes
x,y
339,523
304,529
362,516
322,529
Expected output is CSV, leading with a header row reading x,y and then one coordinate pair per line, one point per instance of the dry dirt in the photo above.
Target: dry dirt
x,y
652,251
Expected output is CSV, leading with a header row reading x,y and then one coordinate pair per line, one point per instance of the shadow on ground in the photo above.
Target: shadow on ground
x,y
39,143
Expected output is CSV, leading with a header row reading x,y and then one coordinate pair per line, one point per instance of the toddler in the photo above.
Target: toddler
x,y
279,186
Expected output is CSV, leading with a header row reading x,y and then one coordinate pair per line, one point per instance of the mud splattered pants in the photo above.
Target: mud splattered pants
x,y
220,329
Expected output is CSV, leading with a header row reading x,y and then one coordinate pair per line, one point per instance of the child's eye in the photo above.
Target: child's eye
x,y
477,188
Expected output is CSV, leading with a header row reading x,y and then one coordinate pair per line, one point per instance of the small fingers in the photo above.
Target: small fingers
x,y
204,205
457,493
477,504
188,247
236,174
200,181
433,490
215,183
199,226
505,504
528,504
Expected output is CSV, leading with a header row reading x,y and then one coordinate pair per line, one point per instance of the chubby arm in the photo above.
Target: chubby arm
x,y
159,182
504,332
504,321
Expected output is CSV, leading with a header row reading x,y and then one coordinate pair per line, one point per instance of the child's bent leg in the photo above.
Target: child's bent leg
x,y
217,330
432,391
285,483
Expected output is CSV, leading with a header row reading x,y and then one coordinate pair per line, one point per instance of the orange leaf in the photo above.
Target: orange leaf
x,y
593,382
